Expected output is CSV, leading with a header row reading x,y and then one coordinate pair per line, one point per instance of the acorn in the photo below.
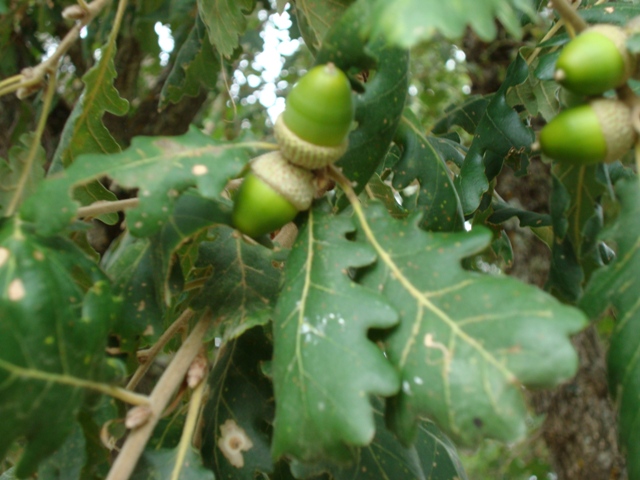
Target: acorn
x,y
271,195
595,61
600,131
313,129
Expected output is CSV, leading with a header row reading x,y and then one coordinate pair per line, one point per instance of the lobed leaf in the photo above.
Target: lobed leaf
x,y
57,308
324,366
197,66
421,160
467,343
500,136
617,285
225,21
407,22
244,284
316,18
432,456
161,167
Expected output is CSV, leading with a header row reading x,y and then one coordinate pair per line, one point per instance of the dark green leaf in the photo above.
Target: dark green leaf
x,y
241,398
197,66
324,366
502,212
68,461
437,196
464,335
617,285
618,13
467,115
433,456
244,282
84,132
57,308
161,167
225,21
500,136
537,96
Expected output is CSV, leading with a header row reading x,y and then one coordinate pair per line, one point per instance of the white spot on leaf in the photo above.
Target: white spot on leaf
x,y
199,170
16,290
232,442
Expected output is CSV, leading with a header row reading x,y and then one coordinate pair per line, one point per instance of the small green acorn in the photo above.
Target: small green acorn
x,y
313,129
271,195
599,131
595,61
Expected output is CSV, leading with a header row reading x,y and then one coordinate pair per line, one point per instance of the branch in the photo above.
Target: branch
x,y
164,389
569,15
159,345
103,206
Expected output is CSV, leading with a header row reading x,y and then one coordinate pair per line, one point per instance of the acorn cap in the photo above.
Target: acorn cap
x,y
306,154
595,61
294,183
599,131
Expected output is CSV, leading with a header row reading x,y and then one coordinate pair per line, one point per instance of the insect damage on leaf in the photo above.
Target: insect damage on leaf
x,y
233,441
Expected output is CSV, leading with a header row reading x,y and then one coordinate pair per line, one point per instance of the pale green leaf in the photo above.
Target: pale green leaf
x,y
325,368
160,465
408,22
467,343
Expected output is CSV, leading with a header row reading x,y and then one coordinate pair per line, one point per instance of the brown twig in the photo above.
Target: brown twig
x,y
162,393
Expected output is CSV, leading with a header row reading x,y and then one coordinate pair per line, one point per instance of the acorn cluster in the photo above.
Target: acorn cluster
x,y
598,129
312,133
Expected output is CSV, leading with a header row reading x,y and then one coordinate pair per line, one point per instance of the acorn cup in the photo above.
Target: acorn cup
x,y
313,129
271,195
600,131
595,61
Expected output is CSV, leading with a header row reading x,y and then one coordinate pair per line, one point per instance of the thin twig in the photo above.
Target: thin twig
x,y
195,404
162,393
33,149
103,206
113,391
570,16
151,354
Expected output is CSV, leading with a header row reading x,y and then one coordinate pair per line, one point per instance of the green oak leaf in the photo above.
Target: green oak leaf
x,y
617,285
244,284
56,309
324,366
408,22
467,343
240,394
68,461
225,21
316,18
420,160
197,66
431,456
161,167
467,115
16,183
500,136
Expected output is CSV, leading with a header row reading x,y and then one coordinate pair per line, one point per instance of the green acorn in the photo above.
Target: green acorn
x,y
595,61
599,131
271,195
313,129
